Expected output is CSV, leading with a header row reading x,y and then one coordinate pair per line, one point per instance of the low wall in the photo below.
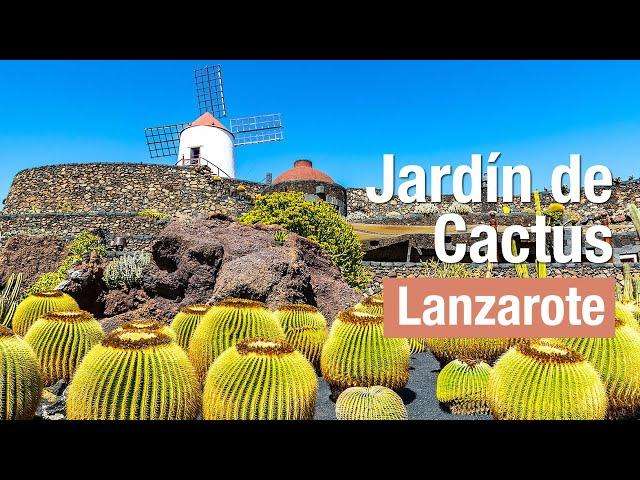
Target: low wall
x,y
140,231
380,270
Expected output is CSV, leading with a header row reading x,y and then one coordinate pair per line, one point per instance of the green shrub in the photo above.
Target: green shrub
x,y
459,208
46,281
84,243
126,271
152,213
280,237
437,269
317,221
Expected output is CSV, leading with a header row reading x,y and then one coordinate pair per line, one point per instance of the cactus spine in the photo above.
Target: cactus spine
x,y
373,304
486,349
135,375
357,354
227,323
617,360
417,345
60,340
186,321
305,328
37,304
370,403
20,378
151,325
260,379
545,380
461,387
635,217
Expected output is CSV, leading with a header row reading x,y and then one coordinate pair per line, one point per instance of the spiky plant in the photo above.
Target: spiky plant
x,y
635,217
459,208
627,313
186,321
417,345
305,328
9,298
60,340
627,308
486,349
461,386
227,323
370,403
357,354
20,378
617,360
152,325
260,379
373,304
135,375
545,380
37,304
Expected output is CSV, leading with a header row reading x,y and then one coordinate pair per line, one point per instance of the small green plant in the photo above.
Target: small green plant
x,y
20,379
260,379
506,209
85,242
370,403
9,298
60,340
280,237
135,375
461,386
528,210
433,268
317,221
426,209
459,208
554,212
126,271
153,213
241,188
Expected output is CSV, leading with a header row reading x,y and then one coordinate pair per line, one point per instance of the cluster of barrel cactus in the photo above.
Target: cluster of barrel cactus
x,y
486,349
36,305
186,321
305,328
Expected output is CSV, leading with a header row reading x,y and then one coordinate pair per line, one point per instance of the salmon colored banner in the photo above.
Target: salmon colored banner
x,y
499,307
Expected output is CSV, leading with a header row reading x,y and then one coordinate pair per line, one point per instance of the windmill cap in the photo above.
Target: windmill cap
x,y
303,171
207,120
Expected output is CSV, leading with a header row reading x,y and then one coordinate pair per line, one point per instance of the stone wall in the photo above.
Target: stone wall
x,y
140,231
127,187
379,270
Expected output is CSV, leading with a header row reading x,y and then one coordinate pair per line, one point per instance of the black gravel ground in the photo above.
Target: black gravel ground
x,y
419,395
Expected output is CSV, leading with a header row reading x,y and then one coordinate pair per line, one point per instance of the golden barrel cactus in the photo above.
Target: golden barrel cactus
x,y
486,349
370,403
545,380
417,345
373,304
20,378
461,386
36,305
260,379
60,340
152,325
135,375
357,354
305,328
628,313
227,323
617,360
186,321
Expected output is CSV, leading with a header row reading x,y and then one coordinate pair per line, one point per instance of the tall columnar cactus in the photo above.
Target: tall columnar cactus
x,y
635,217
186,321
260,379
545,380
617,360
153,325
373,304
305,328
36,305
370,403
135,375
20,378
60,340
461,386
486,349
541,267
357,354
227,323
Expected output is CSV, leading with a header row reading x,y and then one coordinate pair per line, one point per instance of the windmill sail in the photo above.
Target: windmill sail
x,y
209,91
164,141
257,129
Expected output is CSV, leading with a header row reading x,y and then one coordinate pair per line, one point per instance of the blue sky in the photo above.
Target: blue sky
x,y
343,115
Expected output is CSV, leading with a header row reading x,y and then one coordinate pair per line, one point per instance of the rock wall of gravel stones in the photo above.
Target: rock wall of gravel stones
x,y
140,231
127,187
380,270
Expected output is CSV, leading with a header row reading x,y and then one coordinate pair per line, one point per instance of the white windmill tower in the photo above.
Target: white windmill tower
x,y
206,140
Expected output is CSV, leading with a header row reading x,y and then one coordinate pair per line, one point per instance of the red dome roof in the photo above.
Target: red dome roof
x,y
303,170
208,120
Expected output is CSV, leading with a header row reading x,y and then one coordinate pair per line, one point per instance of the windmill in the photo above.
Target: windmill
x,y
206,140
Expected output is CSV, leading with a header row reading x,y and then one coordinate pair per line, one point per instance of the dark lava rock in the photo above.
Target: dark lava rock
x,y
53,403
31,255
202,261
86,286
